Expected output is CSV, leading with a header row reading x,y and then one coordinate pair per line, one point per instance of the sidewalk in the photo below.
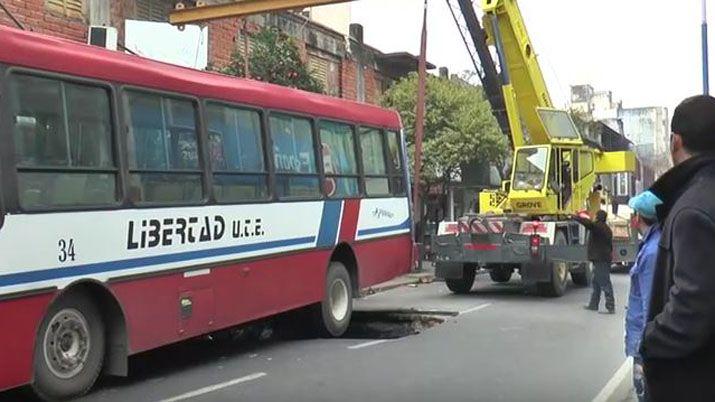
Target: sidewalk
x,y
413,278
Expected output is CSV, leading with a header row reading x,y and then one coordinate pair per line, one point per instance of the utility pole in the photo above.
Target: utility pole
x,y
704,39
419,132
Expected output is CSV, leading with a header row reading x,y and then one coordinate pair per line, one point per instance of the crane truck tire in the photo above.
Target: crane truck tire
x,y
500,274
582,278
556,286
464,284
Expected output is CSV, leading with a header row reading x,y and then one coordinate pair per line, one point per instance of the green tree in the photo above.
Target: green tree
x,y
274,58
459,125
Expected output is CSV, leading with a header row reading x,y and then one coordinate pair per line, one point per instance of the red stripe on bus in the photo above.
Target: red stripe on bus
x,y
349,221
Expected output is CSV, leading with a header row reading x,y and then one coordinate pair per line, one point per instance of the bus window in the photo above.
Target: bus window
x,y
236,154
373,160
163,149
294,156
339,162
63,143
397,182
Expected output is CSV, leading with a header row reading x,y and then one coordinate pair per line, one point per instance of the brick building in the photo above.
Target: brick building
x,y
346,66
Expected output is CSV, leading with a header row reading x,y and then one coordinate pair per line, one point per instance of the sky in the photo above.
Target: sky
x,y
646,51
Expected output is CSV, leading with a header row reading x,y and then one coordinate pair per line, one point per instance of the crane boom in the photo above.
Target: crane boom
x,y
186,15
520,70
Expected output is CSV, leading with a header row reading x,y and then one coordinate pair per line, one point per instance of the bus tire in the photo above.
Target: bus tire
x,y
556,286
69,348
464,284
332,315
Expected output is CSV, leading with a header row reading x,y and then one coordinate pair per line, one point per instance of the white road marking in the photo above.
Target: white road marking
x,y
368,344
621,379
212,388
473,309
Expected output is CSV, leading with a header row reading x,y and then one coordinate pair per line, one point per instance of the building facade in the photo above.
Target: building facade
x,y
647,128
332,47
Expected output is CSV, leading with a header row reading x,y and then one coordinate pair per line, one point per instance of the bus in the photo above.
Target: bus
x,y
144,203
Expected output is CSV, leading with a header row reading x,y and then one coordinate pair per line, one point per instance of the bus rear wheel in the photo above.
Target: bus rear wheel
x,y
69,348
332,315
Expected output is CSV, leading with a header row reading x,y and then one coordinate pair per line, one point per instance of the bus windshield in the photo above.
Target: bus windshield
x,y
530,170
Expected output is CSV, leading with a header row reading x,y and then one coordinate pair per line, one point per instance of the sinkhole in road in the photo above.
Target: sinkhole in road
x,y
392,324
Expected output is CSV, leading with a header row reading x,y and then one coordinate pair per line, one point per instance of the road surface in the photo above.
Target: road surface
x,y
495,344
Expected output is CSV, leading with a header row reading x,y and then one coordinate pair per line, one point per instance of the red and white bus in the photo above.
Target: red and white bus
x,y
145,203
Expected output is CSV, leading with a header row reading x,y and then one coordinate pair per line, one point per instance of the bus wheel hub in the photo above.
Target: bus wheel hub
x,y
67,343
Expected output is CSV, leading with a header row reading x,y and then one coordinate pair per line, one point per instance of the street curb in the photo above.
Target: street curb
x,y
404,280
618,388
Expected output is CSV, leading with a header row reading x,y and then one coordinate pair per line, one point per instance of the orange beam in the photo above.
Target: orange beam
x,y
240,9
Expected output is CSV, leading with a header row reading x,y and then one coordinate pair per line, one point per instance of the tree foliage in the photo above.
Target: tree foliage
x,y
274,58
459,126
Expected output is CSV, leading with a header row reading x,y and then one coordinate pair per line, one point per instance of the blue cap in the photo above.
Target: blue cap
x,y
644,204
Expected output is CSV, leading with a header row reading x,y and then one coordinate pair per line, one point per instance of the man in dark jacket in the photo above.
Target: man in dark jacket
x,y
678,345
600,250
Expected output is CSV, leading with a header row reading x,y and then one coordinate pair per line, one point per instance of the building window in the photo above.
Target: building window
x,y
63,143
236,154
326,69
163,149
339,161
153,10
294,157
67,8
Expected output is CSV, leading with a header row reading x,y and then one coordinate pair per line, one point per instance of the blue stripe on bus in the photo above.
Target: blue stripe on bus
x,y
329,223
109,266
384,229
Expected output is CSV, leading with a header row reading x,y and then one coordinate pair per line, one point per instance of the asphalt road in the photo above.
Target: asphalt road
x,y
503,345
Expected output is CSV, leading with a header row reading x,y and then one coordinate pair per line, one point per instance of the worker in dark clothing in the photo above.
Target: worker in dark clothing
x,y
678,345
600,250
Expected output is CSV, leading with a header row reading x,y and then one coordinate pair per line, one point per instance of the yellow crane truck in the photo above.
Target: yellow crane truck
x,y
524,226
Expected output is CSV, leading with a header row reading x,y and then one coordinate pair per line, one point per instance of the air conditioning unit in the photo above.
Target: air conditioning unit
x,y
105,37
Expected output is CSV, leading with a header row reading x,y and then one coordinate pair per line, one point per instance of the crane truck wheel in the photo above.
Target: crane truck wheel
x,y
556,286
464,284
500,274
583,277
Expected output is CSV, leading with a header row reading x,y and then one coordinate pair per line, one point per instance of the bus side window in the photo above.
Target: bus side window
x,y
339,161
63,143
236,153
397,181
162,146
373,161
294,157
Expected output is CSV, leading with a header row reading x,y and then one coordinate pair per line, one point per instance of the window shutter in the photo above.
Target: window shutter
x,y
68,8
153,10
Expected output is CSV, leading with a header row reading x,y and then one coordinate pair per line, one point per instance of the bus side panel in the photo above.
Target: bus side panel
x,y
19,320
220,297
383,259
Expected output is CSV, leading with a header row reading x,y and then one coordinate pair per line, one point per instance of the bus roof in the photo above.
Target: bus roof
x,y
42,52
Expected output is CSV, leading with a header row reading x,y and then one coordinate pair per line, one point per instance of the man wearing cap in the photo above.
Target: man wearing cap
x,y
641,275
600,252
678,345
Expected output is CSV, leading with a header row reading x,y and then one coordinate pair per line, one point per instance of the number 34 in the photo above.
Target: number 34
x,y
66,250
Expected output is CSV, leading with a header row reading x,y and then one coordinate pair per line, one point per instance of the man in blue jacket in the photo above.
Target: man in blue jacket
x,y
641,275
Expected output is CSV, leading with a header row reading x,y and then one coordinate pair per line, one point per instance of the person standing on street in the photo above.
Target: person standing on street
x,y
678,345
641,275
600,250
